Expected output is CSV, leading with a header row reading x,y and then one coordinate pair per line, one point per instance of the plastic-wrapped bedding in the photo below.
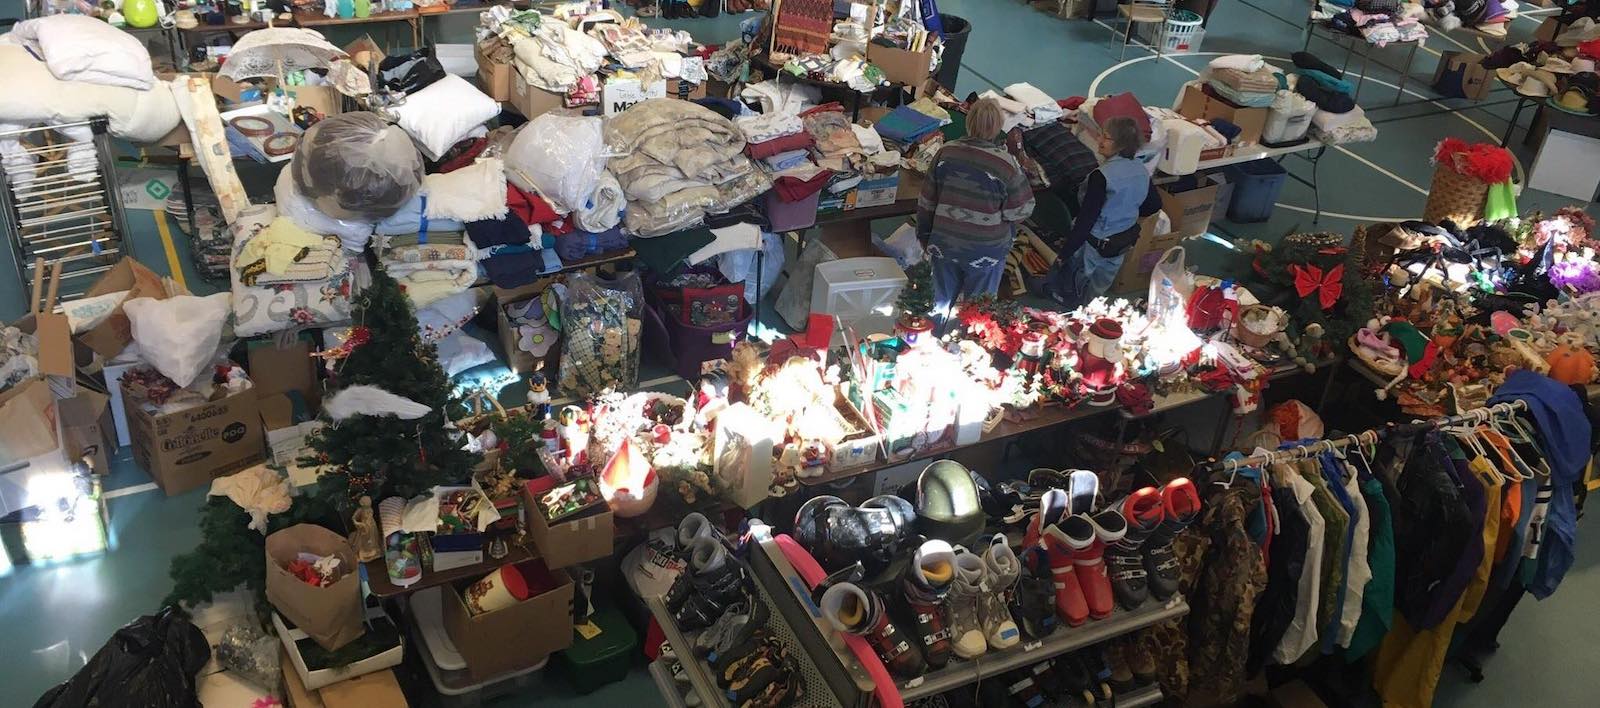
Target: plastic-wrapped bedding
x,y
677,161
560,157
357,166
352,233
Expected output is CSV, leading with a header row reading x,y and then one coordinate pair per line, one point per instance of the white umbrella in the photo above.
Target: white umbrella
x,y
274,51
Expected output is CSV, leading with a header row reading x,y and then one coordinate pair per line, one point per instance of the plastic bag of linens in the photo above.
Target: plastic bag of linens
x,y
600,323
356,166
151,661
560,157
353,233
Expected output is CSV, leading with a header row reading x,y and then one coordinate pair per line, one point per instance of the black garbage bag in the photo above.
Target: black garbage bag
x,y
149,663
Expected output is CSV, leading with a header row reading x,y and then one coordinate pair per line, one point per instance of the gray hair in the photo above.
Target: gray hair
x,y
1125,135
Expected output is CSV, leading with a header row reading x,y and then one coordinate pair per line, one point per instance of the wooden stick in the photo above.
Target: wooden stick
x,y
55,287
38,282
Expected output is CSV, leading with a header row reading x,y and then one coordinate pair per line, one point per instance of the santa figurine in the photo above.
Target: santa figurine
x,y
1100,361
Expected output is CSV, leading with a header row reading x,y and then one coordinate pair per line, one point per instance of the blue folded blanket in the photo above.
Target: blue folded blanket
x,y
905,125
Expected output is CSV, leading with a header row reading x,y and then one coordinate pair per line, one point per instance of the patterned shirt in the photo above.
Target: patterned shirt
x,y
974,193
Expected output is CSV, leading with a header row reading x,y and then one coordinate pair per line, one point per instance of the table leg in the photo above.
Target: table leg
x,y
1512,126
1316,194
188,194
761,260
416,32
1222,426
1405,75
1366,59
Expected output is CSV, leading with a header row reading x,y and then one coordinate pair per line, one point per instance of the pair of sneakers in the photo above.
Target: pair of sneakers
x,y
1142,562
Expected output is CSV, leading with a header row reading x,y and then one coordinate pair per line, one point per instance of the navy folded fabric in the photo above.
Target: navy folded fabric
x,y
579,245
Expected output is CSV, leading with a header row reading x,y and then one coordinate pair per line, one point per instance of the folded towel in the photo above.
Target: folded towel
x,y
1242,62
768,148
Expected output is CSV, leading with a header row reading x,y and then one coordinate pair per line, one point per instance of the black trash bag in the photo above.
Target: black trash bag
x,y
410,72
149,663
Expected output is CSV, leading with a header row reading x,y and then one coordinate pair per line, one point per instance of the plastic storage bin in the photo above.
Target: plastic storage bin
x,y
448,671
591,663
1256,185
1288,126
792,216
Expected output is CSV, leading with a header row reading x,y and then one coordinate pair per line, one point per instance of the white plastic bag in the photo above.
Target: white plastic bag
x,y
740,266
560,157
179,335
353,235
902,245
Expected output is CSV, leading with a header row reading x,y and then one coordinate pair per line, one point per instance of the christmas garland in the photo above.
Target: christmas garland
x,y
1317,280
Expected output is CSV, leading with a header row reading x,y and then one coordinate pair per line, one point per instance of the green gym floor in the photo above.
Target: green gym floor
x,y
56,616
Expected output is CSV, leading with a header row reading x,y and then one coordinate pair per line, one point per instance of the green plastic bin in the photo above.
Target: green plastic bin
x,y
591,663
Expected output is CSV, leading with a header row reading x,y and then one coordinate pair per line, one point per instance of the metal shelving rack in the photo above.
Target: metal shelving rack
x,y
60,202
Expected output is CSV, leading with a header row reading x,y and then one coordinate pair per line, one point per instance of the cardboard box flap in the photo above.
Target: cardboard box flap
x,y
28,423
110,337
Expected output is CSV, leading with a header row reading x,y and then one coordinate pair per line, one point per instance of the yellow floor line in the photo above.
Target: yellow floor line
x,y
171,250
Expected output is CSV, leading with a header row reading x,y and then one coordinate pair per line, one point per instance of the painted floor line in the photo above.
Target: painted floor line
x,y
173,263
129,491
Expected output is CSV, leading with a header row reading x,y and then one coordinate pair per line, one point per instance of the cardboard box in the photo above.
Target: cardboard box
x,y
875,190
1196,103
678,88
364,51
494,76
532,101
616,95
287,439
374,689
1547,30
571,541
901,66
28,421
324,99
1140,260
1190,210
110,337
86,428
1459,75
296,695
187,449
516,637
321,678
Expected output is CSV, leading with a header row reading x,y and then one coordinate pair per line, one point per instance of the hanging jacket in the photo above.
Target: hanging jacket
x,y
1566,434
1377,605
1301,634
1448,592
1338,524
1225,598
1431,527
1358,573
1275,611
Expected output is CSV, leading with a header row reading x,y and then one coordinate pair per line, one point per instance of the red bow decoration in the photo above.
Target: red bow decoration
x,y
1328,286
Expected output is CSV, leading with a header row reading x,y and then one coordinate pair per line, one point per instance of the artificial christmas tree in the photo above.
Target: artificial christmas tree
x,y
384,455
916,303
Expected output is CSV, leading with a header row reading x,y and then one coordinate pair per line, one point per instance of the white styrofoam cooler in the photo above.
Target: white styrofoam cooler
x,y
860,292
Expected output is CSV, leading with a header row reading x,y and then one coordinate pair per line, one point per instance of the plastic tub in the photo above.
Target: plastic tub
x,y
592,663
1256,185
792,216
1287,127
456,687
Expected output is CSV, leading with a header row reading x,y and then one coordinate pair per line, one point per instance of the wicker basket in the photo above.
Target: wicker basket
x,y
1455,196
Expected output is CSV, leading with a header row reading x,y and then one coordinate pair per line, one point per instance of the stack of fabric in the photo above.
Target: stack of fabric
x,y
1323,84
905,127
837,146
1352,126
430,266
1244,80
1379,22
555,56
778,140
675,162
1037,104
285,277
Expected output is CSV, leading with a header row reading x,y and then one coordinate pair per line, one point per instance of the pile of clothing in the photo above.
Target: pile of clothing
x,y
1338,119
1025,105
1244,80
554,56
676,161
284,276
778,140
1379,22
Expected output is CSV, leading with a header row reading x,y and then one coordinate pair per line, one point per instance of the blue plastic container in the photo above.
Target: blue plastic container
x,y
1256,185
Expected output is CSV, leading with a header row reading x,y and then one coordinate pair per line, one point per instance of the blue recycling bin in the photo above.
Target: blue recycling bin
x,y
1256,185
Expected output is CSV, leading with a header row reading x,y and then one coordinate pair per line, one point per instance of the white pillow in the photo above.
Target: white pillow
x,y
472,193
461,351
443,113
441,318
82,48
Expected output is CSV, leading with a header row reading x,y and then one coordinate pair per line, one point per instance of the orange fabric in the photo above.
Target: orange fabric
x,y
1511,502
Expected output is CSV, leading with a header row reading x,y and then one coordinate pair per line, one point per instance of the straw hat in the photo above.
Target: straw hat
x,y
1582,64
1532,86
1574,100
1557,65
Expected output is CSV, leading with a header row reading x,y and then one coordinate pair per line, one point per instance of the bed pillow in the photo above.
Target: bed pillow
x,y
82,48
472,193
461,351
443,113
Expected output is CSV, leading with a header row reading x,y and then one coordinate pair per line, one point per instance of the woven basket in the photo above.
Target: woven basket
x,y
1455,196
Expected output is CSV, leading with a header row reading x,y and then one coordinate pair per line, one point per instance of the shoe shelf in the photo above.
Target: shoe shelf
x,y
705,685
960,673
661,672
1140,697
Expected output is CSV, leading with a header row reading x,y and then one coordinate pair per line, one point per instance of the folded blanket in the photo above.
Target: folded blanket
x,y
1263,81
1031,96
446,315
315,265
786,160
1248,99
774,146
579,245
905,125
507,231
1360,130
1328,122
1242,62
798,186
425,287
263,309
409,220
766,126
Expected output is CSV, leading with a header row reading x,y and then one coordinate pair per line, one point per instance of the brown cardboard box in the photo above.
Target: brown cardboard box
x,y
1141,259
901,66
110,337
279,369
675,89
286,439
1547,30
295,693
364,45
1196,103
186,449
86,428
323,99
513,638
27,421
374,689
531,101
1189,210
495,77
1476,82
569,542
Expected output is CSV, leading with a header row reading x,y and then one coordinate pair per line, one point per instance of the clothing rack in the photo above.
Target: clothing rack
x,y
1300,452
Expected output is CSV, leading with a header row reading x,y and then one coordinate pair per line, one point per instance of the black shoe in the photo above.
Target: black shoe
x,y
1020,685
1033,605
1046,679
838,535
949,507
717,582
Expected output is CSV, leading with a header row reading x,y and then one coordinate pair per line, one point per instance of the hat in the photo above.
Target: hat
x,y
1582,64
1532,86
1574,100
1583,30
1557,65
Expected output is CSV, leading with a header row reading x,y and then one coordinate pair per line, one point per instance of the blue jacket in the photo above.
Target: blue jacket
x,y
1564,428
